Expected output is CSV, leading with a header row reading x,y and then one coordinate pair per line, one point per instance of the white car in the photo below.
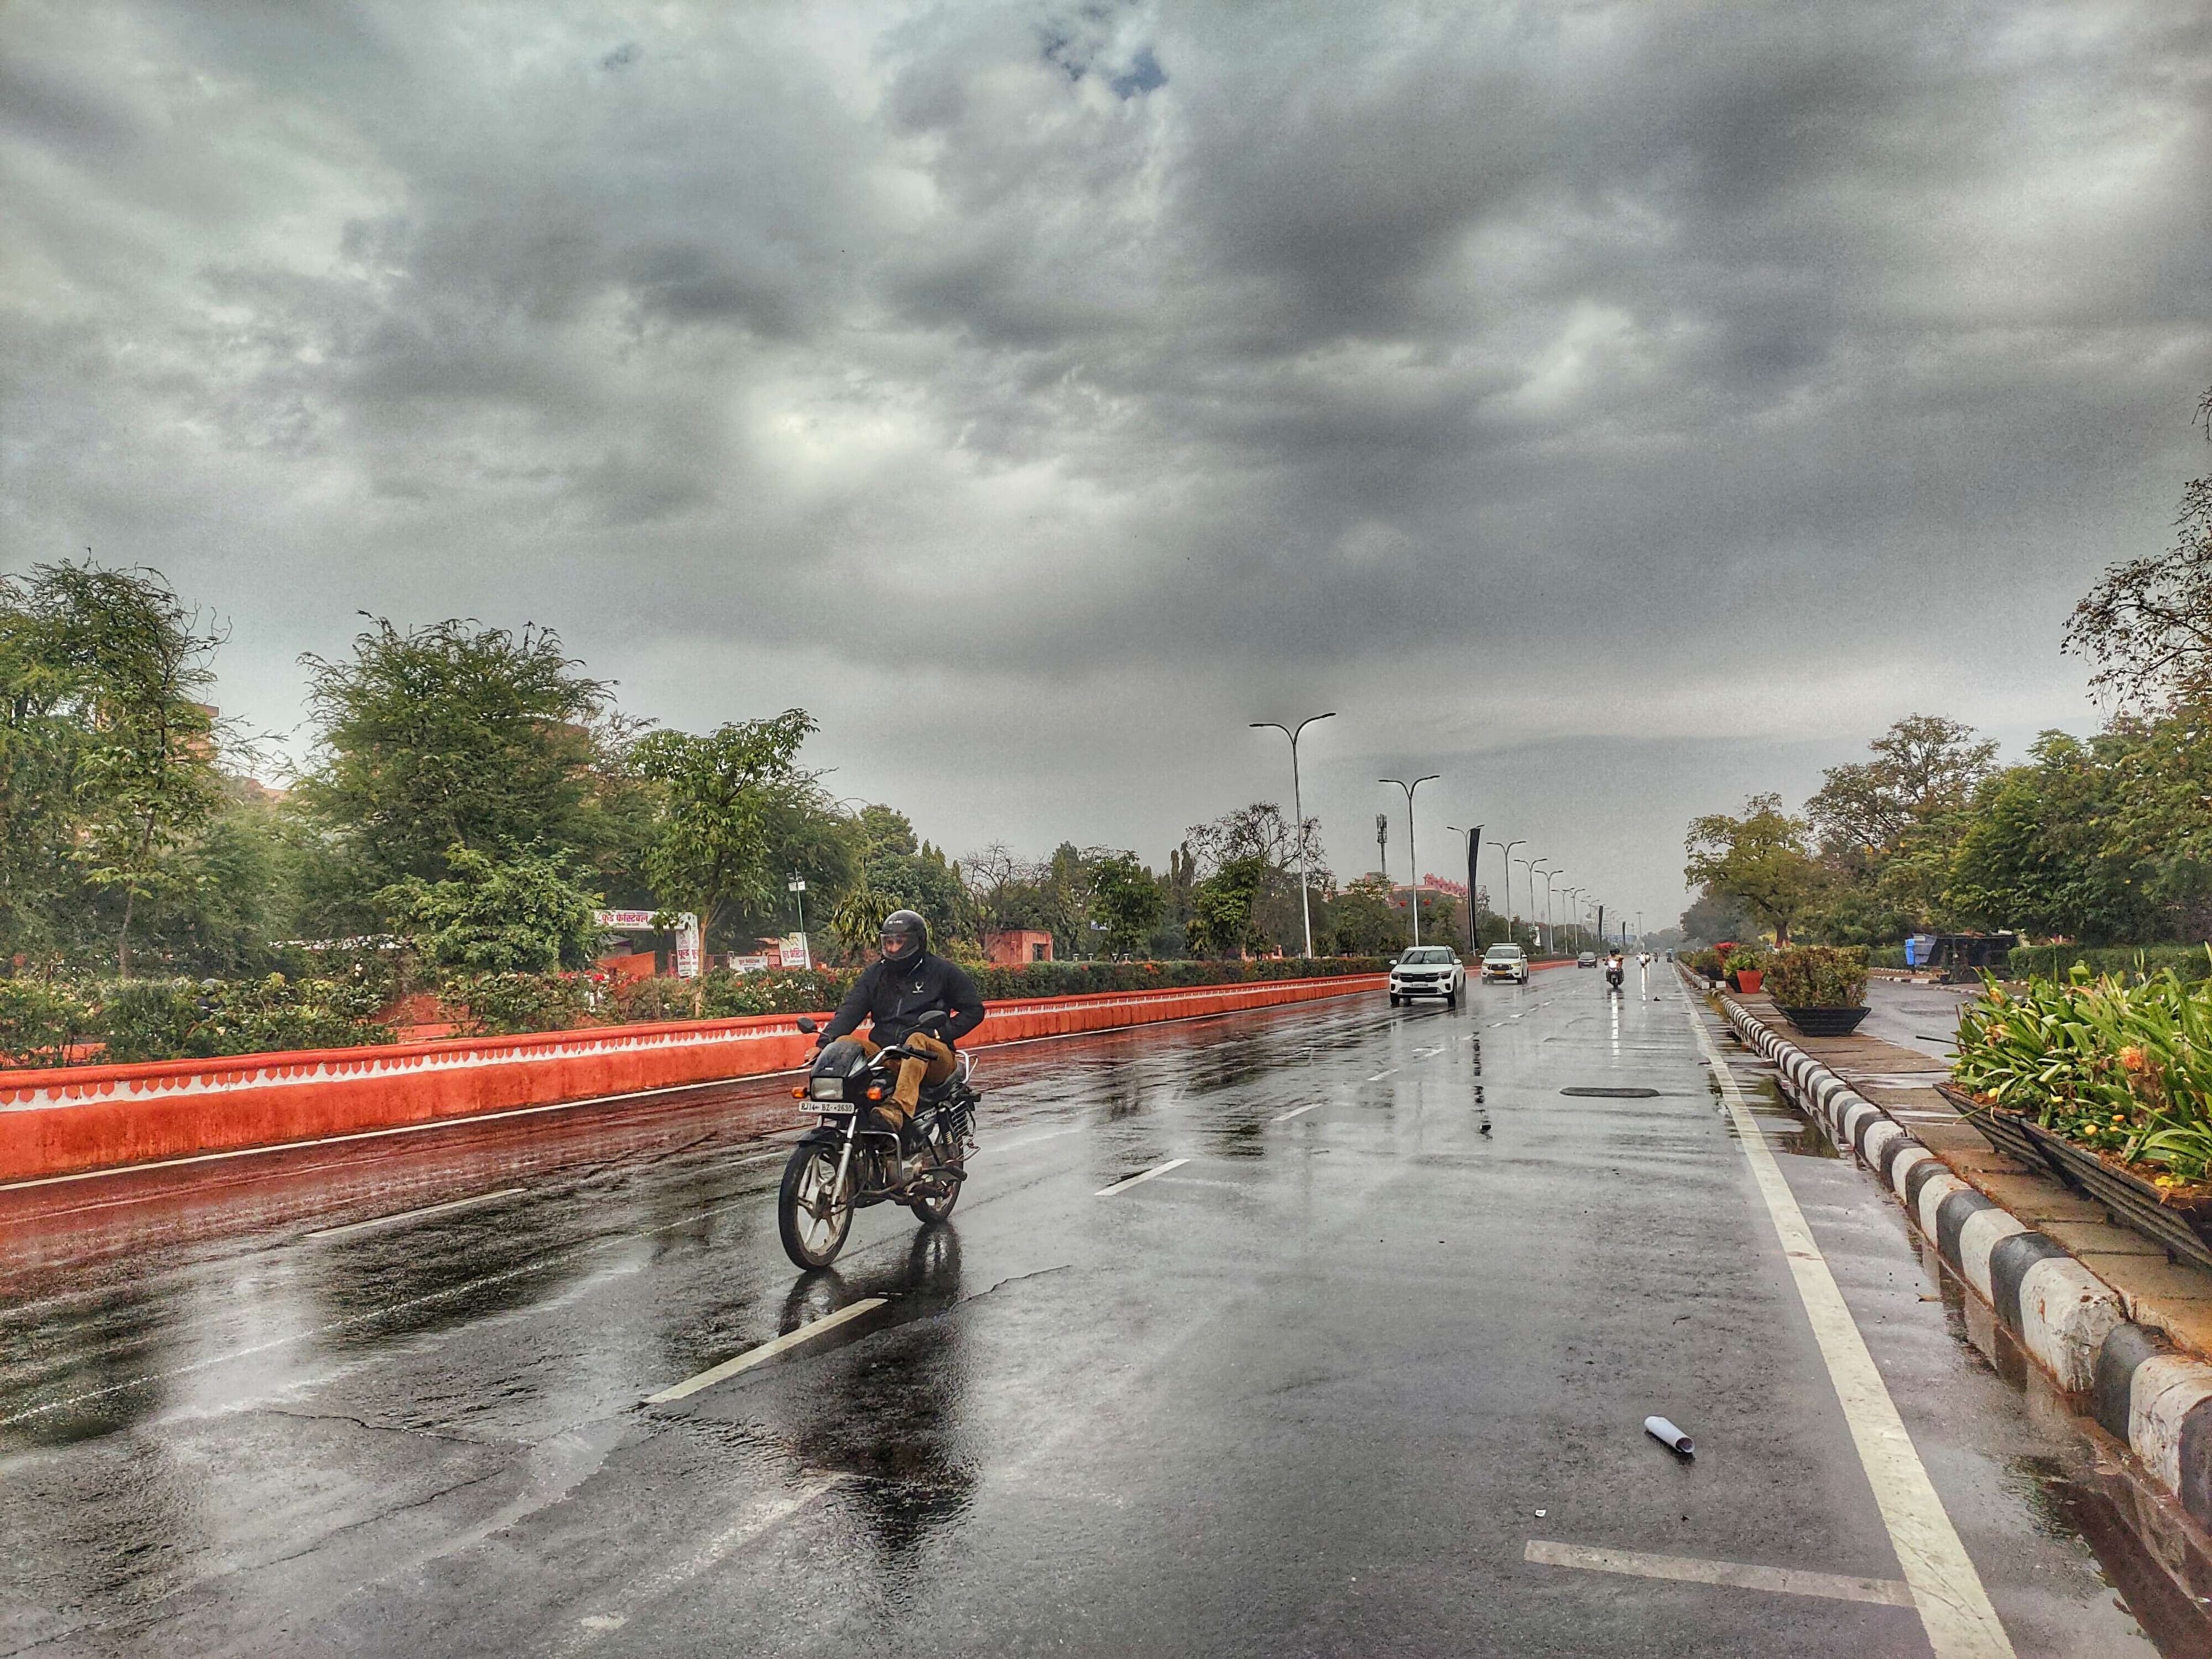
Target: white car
x,y
1427,970
1506,961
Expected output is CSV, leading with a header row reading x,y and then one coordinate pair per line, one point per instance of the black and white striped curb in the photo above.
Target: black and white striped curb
x,y
2158,1402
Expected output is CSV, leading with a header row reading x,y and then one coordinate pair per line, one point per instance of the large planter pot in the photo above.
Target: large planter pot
x,y
1748,980
2005,1131
1825,1022
2182,1224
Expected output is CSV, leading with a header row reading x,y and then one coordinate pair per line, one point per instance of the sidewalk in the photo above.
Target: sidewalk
x,y
2173,1297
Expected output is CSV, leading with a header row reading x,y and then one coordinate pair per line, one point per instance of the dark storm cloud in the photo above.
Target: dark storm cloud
x,y
1140,361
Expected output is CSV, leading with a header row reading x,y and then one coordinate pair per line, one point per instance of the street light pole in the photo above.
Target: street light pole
x,y
1574,912
1411,854
1549,893
1506,847
1298,807
1534,866
1473,846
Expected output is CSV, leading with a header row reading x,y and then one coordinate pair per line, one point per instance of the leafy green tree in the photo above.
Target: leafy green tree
x,y
1222,922
726,793
453,734
1127,901
858,920
107,754
1361,921
513,912
1759,858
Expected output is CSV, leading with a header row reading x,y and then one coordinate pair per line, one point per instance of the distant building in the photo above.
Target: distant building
x,y
1017,947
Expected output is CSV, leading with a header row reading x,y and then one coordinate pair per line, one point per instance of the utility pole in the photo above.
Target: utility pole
x,y
1412,853
1474,846
1298,808
1601,924
796,885
1382,846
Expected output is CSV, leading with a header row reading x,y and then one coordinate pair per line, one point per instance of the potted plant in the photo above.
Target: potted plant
x,y
2107,1082
1820,988
1747,968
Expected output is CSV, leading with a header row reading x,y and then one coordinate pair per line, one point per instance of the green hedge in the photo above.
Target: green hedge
x,y
1886,956
2192,963
795,991
42,1022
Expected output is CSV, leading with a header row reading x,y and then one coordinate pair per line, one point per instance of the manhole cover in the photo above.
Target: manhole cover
x,y
1615,1094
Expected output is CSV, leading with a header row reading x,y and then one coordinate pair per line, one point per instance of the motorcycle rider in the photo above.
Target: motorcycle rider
x,y
894,995
1614,971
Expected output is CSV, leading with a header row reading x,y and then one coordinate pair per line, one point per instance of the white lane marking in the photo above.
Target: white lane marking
x,y
1424,1054
1379,1076
1737,1574
1037,1139
1296,1111
399,1216
1954,1607
1156,1171
767,1351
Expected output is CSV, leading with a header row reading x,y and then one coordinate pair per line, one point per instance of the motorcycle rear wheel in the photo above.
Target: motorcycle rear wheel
x,y
810,1215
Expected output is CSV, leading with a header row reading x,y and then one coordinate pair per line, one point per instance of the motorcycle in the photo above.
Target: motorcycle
x,y
1613,976
851,1159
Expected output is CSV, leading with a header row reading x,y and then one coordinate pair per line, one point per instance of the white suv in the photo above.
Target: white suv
x,y
1426,971
1506,961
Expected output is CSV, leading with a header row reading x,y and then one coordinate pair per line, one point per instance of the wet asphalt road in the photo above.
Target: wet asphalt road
x,y
1316,1390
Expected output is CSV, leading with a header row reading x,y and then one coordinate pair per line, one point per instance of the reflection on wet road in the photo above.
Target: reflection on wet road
x,y
1328,1329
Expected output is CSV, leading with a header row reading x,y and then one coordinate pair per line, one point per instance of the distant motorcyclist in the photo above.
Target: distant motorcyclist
x,y
896,995
1615,972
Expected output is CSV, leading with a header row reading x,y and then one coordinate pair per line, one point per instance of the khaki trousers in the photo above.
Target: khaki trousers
x,y
936,1066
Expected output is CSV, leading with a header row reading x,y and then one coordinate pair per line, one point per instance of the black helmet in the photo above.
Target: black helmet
x,y
905,936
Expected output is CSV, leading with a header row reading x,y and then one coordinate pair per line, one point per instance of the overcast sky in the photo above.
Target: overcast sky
x,y
1612,408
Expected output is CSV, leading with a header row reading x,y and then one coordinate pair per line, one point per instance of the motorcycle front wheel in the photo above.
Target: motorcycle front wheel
x,y
812,1216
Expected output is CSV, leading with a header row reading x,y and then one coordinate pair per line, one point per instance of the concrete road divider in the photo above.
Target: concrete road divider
x,y
79,1119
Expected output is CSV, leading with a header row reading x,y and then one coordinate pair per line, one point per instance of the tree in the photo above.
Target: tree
x,y
1361,921
725,794
1261,832
454,734
107,754
2147,622
1222,922
520,912
1924,768
1126,900
1759,858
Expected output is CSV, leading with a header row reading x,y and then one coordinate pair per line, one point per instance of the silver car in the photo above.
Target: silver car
x,y
1506,961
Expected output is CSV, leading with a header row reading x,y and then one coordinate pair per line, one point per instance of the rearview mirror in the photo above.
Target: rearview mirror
x,y
807,1025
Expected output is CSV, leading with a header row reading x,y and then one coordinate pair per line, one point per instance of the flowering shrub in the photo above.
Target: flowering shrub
x,y
1818,976
2122,1069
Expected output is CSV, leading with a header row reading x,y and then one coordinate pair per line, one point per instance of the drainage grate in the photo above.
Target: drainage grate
x,y
1614,1094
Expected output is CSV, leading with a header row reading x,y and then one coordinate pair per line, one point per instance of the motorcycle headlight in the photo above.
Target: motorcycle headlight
x,y
826,1088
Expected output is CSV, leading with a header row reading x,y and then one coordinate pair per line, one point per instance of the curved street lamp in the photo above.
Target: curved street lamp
x,y
1412,856
1535,866
1506,847
1298,807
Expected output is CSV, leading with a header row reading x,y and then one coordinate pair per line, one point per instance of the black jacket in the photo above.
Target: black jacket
x,y
893,1000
